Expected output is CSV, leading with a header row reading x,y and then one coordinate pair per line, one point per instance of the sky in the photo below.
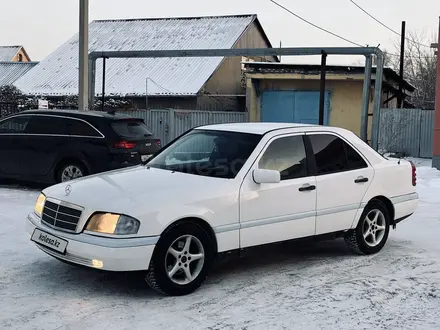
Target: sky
x,y
41,26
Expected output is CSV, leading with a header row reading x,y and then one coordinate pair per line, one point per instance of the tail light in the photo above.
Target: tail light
x,y
158,143
413,173
124,145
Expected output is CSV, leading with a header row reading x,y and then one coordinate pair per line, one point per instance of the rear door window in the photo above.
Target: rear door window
x,y
47,125
81,128
134,129
333,155
329,153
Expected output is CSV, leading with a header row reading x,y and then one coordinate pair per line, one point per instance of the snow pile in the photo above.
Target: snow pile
x,y
291,285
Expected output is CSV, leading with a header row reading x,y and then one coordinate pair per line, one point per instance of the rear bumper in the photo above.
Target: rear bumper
x,y
404,206
112,254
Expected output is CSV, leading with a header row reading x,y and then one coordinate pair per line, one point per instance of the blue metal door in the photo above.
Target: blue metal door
x,y
293,107
307,107
277,106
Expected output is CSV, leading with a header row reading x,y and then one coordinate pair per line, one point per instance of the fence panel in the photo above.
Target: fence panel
x,y
169,124
409,131
159,123
184,120
426,133
228,117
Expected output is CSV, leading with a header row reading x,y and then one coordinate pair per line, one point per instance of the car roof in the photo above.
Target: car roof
x,y
254,127
78,114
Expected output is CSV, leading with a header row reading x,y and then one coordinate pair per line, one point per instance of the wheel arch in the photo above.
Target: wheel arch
x,y
388,204
69,159
200,222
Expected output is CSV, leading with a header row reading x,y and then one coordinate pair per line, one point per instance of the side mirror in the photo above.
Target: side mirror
x,y
266,176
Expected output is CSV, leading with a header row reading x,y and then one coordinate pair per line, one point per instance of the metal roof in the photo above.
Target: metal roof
x,y
11,71
7,53
273,67
58,73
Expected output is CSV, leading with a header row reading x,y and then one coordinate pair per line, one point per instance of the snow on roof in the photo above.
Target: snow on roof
x,y
11,71
7,53
58,73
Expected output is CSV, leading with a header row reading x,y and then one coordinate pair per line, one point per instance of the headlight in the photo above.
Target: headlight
x,y
38,209
113,224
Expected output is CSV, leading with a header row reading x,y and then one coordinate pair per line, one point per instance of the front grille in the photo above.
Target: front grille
x,y
60,216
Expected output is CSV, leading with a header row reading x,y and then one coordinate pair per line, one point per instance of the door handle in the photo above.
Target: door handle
x,y
307,187
361,180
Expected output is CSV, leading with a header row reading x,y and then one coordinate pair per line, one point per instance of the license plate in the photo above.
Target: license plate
x,y
145,157
49,240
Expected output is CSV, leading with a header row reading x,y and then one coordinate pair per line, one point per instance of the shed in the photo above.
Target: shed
x,y
280,92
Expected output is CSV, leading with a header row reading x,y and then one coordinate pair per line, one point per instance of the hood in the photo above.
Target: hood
x,y
123,190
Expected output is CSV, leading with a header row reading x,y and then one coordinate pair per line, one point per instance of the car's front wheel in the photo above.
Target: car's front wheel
x,y
372,231
181,260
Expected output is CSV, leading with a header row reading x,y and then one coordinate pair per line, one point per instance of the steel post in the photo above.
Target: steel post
x,y
366,98
83,55
92,76
322,88
377,101
436,140
103,83
400,97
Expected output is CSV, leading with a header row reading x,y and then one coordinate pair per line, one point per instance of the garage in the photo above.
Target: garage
x,y
293,106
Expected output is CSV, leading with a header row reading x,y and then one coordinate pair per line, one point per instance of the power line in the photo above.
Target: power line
x,y
167,90
314,25
386,26
410,56
325,30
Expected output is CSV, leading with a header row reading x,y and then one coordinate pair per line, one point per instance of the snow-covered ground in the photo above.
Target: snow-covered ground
x,y
287,286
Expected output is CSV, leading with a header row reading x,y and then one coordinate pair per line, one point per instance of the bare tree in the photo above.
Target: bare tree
x,y
388,59
419,67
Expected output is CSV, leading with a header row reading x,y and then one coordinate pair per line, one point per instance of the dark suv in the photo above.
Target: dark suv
x,y
60,145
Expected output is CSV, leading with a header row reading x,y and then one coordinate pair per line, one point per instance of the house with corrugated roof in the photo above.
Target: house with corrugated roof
x,y
212,83
13,54
11,71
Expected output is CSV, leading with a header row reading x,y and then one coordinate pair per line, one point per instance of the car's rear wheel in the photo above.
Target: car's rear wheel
x,y
372,231
181,260
70,170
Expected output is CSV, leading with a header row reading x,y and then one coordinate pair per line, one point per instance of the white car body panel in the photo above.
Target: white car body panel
x,y
240,212
282,218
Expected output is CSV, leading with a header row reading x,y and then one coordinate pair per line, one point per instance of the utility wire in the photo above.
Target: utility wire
x,y
167,90
387,27
329,32
314,25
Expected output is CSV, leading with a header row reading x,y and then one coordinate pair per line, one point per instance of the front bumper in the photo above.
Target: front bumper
x,y
112,254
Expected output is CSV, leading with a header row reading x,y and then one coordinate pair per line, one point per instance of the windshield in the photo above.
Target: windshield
x,y
135,129
218,154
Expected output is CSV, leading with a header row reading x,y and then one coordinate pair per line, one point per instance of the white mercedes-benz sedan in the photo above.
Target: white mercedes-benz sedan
x,y
220,188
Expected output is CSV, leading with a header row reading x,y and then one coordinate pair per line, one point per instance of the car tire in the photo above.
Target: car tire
x,y
173,268
74,169
372,231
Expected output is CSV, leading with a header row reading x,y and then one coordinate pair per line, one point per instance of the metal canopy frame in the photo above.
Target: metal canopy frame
x,y
368,52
